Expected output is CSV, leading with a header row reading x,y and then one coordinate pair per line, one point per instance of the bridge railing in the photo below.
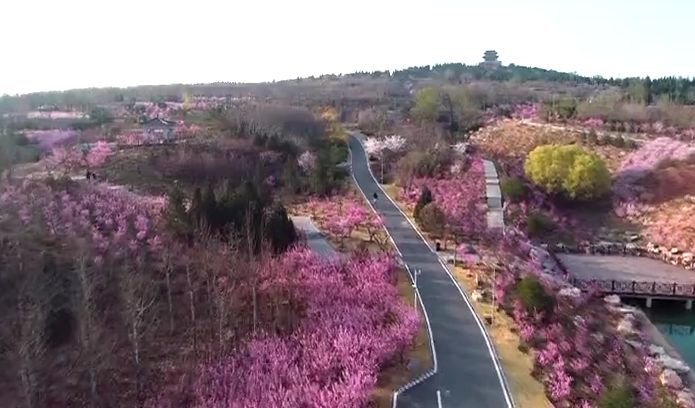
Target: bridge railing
x,y
636,287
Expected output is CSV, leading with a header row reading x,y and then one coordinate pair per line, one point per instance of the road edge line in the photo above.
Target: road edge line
x,y
433,371
491,349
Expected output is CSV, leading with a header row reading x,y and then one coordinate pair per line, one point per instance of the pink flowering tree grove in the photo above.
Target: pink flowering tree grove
x,y
628,184
68,159
288,330
354,323
341,216
460,196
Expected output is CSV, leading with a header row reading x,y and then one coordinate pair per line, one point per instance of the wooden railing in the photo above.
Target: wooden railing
x,y
636,288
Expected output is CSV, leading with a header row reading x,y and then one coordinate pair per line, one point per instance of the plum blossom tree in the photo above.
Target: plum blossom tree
x,y
374,146
72,158
394,143
97,154
341,216
381,147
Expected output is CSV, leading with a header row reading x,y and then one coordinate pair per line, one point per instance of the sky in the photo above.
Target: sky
x,y
64,44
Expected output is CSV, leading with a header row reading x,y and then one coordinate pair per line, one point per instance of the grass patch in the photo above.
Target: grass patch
x,y
134,168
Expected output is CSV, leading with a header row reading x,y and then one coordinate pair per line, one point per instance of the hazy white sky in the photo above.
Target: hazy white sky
x,y
63,44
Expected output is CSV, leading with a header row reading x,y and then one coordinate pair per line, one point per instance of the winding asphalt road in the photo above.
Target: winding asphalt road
x,y
467,375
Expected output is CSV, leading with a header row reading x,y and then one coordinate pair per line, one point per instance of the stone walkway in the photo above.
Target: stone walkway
x,y
493,194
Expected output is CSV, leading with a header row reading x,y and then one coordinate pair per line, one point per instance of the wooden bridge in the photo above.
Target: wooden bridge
x,y
630,276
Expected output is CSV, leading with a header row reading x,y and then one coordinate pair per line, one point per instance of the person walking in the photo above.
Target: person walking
x,y
374,197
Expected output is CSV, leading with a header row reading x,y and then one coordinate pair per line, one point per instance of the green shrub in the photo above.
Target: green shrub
x,y
424,199
618,396
564,108
532,295
513,189
433,161
568,170
538,224
432,219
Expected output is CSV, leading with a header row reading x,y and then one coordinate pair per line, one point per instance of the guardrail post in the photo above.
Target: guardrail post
x,y
633,286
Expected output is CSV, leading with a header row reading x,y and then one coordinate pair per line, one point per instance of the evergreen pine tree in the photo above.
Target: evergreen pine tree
x,y
209,207
176,217
195,212
425,198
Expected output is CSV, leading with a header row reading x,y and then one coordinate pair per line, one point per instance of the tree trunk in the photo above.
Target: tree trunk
x,y
191,304
28,386
255,307
88,335
170,302
136,343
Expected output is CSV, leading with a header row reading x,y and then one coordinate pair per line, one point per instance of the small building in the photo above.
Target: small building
x,y
158,130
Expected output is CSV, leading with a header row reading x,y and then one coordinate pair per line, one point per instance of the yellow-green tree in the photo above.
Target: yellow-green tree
x,y
568,170
426,104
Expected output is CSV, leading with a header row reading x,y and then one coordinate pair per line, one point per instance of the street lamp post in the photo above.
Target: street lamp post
x,y
417,272
494,282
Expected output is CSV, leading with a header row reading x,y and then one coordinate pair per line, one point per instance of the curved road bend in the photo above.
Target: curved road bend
x,y
467,376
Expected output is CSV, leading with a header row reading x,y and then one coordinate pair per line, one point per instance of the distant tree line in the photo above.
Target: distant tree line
x,y
677,89
645,90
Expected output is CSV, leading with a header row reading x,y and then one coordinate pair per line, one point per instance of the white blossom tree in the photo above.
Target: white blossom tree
x,y
380,147
461,147
307,161
394,143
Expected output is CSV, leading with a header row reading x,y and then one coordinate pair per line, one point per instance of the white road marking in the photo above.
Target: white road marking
x,y
439,399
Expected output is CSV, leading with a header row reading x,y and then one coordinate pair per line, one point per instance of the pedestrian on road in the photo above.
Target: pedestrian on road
x,y
375,196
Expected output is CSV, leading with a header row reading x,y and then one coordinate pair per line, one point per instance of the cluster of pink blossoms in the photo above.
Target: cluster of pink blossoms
x,y
340,216
113,222
354,323
67,159
577,351
460,196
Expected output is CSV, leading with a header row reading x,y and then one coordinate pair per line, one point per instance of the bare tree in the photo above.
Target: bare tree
x,y
224,282
168,269
192,308
139,295
32,306
94,350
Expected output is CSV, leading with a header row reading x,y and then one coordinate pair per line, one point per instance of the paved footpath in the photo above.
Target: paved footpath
x,y
315,239
467,374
